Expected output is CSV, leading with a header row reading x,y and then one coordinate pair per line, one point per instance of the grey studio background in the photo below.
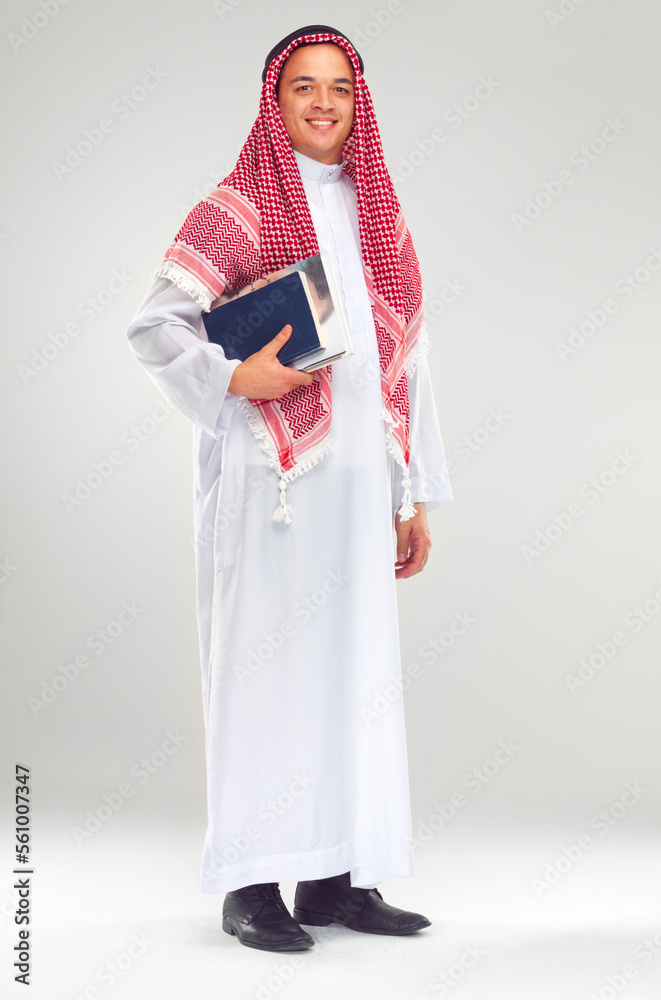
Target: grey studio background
x,y
523,139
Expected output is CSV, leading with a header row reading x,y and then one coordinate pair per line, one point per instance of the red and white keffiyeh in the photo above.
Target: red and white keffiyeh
x,y
258,220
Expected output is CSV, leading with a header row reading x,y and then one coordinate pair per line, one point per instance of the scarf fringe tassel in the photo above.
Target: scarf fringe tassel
x,y
181,279
420,351
256,423
406,510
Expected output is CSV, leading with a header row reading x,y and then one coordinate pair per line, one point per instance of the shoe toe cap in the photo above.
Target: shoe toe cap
x,y
408,921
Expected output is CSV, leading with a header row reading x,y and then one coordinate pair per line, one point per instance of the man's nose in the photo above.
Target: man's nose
x,y
324,100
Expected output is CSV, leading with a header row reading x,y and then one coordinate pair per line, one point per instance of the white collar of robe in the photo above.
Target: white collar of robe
x,y
317,171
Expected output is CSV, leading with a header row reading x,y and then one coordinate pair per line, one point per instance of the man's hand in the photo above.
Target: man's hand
x,y
413,543
261,376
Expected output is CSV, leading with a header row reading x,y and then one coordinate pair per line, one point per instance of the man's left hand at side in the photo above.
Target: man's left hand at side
x,y
413,543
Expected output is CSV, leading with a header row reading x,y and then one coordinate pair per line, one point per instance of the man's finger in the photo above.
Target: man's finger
x,y
403,536
301,378
416,561
278,341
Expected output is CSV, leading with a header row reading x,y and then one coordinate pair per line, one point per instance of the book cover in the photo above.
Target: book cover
x,y
244,324
305,295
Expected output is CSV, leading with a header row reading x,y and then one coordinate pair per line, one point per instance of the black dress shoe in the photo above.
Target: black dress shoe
x,y
257,915
334,900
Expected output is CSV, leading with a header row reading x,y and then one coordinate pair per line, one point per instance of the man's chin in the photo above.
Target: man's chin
x,y
322,151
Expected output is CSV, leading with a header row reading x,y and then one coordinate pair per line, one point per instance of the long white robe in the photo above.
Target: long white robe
x,y
298,623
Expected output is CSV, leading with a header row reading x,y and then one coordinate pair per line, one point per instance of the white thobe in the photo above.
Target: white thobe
x,y
298,622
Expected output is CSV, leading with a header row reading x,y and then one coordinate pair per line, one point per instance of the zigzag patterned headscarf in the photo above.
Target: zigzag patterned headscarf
x,y
258,220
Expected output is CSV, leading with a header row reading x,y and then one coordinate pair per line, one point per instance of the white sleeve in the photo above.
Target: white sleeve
x,y
428,471
168,339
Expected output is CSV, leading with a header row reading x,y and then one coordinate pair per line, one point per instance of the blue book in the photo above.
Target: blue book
x,y
245,324
305,296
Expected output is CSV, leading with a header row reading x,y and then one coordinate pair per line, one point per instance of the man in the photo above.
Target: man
x,y
297,607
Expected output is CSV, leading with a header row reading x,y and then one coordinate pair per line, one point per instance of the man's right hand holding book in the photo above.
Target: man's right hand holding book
x,y
261,376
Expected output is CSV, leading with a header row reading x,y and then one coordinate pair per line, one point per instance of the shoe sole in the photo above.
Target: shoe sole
x,y
322,920
286,946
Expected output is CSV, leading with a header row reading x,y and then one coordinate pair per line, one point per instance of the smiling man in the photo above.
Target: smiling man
x,y
316,100
306,770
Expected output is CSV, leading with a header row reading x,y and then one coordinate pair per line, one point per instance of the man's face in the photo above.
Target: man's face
x,y
316,98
